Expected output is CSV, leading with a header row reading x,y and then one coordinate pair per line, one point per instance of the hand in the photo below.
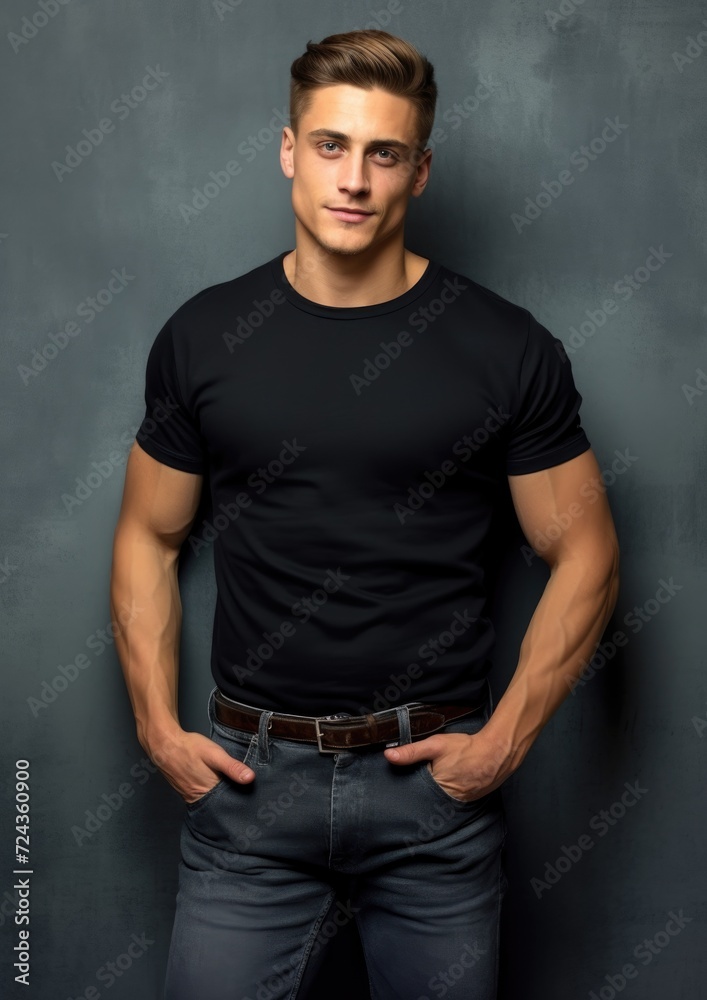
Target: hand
x,y
193,764
467,766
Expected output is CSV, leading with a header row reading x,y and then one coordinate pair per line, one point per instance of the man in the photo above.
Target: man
x,y
358,410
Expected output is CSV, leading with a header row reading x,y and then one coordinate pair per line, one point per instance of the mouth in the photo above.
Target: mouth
x,y
349,215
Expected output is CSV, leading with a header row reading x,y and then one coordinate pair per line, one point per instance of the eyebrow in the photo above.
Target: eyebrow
x,y
321,133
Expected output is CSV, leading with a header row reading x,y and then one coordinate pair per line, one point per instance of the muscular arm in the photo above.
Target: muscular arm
x,y
566,626
576,604
158,507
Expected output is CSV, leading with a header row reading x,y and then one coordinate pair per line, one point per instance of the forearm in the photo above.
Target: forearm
x,y
563,633
144,578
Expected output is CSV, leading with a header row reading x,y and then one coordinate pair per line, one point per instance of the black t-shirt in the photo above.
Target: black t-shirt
x,y
355,457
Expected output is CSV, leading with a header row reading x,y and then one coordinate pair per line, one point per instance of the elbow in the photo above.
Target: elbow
x,y
596,562
612,575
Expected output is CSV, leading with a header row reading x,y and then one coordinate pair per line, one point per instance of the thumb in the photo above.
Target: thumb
x,y
411,753
235,769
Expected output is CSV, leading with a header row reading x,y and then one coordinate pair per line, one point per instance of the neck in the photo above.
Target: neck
x,y
350,280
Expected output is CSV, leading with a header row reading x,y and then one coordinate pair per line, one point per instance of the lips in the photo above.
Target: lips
x,y
350,215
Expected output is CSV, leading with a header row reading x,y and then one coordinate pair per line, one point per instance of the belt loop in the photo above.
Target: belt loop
x,y
210,711
403,714
489,710
263,740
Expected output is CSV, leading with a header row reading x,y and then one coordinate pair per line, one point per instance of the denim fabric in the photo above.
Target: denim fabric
x,y
271,870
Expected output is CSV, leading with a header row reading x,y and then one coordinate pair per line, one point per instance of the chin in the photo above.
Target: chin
x,y
348,251
343,249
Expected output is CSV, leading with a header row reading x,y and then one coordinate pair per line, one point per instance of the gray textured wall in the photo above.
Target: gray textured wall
x,y
550,75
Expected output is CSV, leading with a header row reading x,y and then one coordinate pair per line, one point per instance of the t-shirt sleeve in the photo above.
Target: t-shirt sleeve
x,y
545,424
169,432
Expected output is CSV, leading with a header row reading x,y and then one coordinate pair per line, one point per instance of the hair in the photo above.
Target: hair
x,y
367,59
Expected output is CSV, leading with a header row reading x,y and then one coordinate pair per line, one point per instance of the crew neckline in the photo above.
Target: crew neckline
x,y
352,312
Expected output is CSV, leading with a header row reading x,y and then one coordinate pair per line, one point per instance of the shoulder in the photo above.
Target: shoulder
x,y
503,324
213,301
480,297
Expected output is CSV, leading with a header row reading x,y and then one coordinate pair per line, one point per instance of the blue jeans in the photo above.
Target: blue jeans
x,y
269,871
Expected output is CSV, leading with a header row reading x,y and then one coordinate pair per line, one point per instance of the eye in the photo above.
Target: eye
x,y
390,158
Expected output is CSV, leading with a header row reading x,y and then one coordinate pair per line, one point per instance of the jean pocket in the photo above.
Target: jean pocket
x,y
470,725
240,745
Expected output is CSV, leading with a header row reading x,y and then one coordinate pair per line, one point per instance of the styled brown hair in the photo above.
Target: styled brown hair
x,y
368,58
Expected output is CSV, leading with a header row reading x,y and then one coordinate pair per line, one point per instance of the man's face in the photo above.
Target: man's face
x,y
353,162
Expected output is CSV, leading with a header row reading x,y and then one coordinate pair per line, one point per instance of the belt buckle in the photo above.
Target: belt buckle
x,y
325,718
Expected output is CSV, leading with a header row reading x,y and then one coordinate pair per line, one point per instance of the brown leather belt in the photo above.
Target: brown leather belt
x,y
334,733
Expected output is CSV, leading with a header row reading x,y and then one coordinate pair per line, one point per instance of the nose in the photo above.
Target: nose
x,y
353,176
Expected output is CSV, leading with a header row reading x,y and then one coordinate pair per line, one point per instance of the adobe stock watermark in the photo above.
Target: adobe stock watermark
x,y
461,111
381,18
121,108
695,47
625,288
446,980
635,619
278,983
7,569
302,609
420,319
10,906
88,309
601,823
645,951
67,674
700,386
101,471
429,652
700,724
581,159
31,26
429,828
112,802
591,490
110,972
465,447
219,180
259,482
566,9
245,326
270,812
455,116
223,7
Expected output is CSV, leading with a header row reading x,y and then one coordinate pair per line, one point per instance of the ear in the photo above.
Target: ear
x,y
287,147
423,174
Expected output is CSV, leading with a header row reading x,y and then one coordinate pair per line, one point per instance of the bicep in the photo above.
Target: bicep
x,y
157,499
563,511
